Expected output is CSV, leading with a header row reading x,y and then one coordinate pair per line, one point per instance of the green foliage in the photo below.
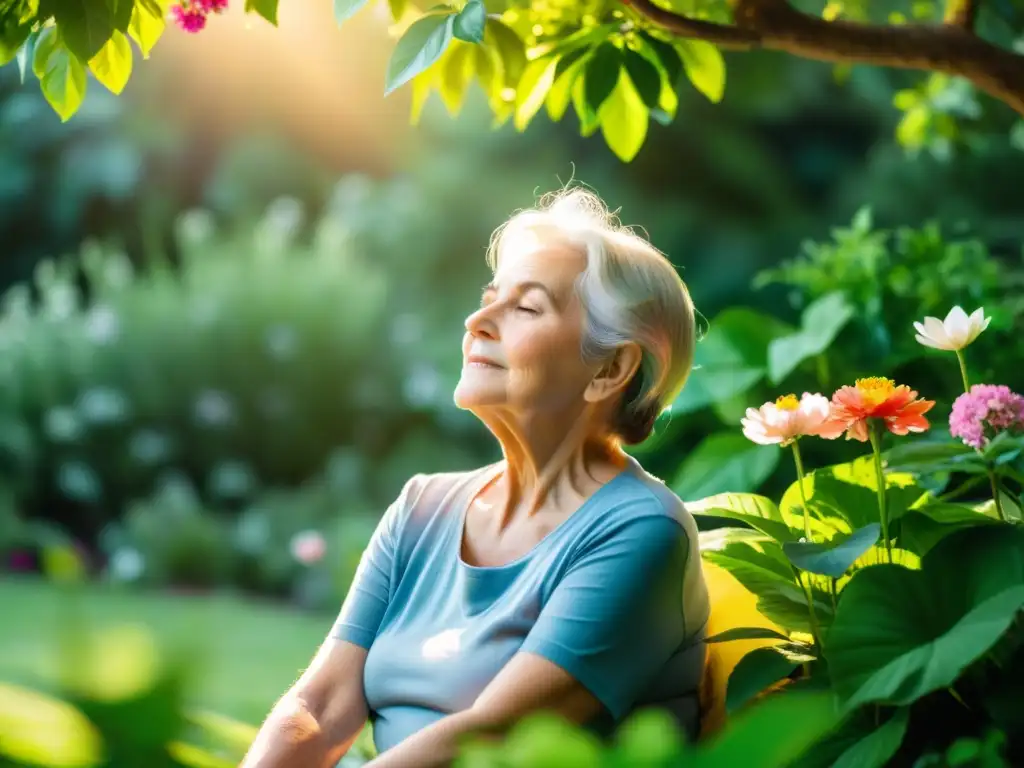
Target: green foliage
x,y
761,737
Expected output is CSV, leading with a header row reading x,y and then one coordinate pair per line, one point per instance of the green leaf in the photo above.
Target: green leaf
x,y
746,633
848,493
730,359
121,13
265,8
725,461
878,746
667,56
511,47
470,22
704,66
603,69
534,85
834,557
624,119
457,67
666,61
645,77
346,9
569,69
899,635
821,323
926,455
85,25
47,41
764,736
759,512
11,42
147,26
589,120
112,66
25,55
924,527
63,77
420,46
756,671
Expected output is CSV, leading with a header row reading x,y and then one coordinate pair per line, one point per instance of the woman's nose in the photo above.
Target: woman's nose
x,y
481,324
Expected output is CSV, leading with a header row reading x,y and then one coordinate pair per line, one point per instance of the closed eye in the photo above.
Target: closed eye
x,y
528,310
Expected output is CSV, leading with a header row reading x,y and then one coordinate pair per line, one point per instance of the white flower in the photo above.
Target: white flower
x,y
788,419
955,332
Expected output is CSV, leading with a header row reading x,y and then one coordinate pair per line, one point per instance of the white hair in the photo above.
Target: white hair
x,y
629,292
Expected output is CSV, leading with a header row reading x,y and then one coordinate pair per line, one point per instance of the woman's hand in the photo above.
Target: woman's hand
x,y
527,684
316,721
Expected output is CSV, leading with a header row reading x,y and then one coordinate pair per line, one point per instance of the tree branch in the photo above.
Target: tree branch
x,y
775,25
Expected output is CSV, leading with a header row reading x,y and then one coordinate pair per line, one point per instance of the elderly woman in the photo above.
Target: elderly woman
x,y
562,578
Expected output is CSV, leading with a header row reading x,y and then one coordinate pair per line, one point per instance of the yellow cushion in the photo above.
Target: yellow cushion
x,y
732,605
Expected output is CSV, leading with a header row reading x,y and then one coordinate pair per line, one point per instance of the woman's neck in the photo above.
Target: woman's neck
x,y
545,462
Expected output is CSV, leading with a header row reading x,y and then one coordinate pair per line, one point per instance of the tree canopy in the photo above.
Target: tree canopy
x,y
617,63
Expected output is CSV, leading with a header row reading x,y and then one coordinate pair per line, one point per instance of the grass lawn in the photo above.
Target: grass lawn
x,y
250,651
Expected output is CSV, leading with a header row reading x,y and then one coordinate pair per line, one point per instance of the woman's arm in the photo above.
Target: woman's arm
x,y
527,684
316,721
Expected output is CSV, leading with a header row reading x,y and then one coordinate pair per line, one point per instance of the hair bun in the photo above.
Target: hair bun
x,y
634,425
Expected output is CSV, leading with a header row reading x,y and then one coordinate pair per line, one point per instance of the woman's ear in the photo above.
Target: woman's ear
x,y
615,375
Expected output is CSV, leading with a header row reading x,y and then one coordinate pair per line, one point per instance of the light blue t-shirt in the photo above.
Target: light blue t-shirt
x,y
614,595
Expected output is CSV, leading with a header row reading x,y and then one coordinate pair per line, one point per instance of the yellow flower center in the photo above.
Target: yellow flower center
x,y
787,403
876,389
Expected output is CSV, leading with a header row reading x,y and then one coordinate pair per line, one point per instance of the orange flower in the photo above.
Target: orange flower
x,y
879,398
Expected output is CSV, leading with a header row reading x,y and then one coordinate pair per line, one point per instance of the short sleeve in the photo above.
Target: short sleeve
x,y
616,617
370,592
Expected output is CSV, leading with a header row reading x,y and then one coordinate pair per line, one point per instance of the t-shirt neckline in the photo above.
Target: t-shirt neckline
x,y
488,476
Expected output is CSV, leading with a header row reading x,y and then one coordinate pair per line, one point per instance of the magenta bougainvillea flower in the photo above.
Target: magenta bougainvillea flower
x,y
191,15
985,411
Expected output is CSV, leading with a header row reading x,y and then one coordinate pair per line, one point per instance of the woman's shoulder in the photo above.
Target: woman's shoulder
x,y
639,495
429,495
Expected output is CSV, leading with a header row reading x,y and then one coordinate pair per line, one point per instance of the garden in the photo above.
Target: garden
x,y
223,350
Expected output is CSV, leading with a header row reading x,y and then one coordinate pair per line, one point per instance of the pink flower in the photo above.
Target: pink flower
x,y
308,547
212,6
787,419
190,17
984,412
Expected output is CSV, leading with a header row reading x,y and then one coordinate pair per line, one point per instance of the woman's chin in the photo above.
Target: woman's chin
x,y
470,397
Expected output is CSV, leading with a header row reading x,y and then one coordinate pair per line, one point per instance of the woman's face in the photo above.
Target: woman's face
x,y
521,350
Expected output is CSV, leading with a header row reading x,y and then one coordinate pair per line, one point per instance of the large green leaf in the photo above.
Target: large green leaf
x,y
624,119
507,42
665,60
61,75
730,359
265,8
877,747
470,22
112,66
771,734
420,46
844,496
924,527
900,634
11,40
725,461
758,512
537,79
859,741
834,557
821,322
756,671
457,67
85,25
704,66
121,13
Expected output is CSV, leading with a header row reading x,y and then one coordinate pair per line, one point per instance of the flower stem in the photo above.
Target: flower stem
x,y
800,484
809,597
994,482
876,450
963,369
